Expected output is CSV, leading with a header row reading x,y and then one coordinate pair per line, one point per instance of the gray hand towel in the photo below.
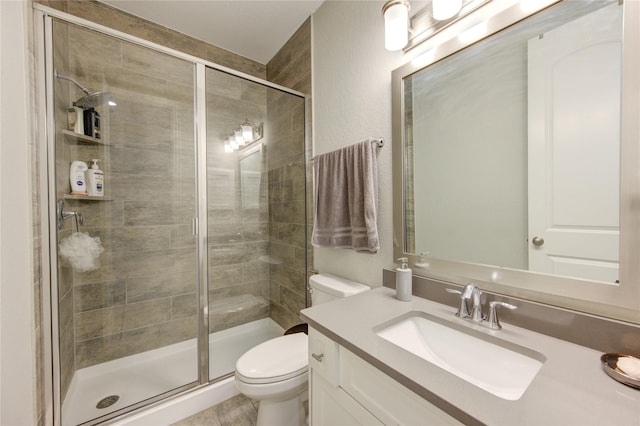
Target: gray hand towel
x,y
346,207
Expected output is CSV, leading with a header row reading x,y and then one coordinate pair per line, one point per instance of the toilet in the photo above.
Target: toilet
x,y
275,372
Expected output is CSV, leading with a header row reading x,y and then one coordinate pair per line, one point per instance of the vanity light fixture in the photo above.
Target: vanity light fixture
x,y
439,15
396,24
243,136
247,130
445,9
227,145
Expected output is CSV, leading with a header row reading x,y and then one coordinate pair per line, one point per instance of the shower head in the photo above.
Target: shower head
x,y
89,100
92,100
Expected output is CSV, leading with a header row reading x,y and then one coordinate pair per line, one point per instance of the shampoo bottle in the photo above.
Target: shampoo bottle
x,y
95,180
77,179
92,123
403,281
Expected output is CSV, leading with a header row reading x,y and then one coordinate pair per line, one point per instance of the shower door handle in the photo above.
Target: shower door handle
x,y
194,226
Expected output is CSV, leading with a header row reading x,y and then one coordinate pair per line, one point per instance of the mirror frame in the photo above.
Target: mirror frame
x,y
621,302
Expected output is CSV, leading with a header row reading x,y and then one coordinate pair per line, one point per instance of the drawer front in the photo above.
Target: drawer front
x,y
387,399
323,356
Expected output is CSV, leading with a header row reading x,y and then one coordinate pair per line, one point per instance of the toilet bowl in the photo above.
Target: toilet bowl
x,y
275,373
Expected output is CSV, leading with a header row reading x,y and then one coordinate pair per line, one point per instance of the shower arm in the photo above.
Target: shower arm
x,y
84,89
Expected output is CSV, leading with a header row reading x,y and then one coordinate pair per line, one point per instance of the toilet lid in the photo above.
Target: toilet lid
x,y
275,360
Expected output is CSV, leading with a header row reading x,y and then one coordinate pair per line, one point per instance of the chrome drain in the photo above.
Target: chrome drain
x,y
108,401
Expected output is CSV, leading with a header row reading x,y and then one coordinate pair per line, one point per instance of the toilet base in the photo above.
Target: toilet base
x,y
288,412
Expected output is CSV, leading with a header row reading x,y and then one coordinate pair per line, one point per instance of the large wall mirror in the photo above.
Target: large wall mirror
x,y
516,158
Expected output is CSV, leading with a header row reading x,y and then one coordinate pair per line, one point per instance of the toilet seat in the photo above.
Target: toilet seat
x,y
275,360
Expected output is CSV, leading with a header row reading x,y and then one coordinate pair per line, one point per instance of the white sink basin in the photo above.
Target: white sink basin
x,y
497,366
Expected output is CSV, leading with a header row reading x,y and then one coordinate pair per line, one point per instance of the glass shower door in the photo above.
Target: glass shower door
x,y
238,219
256,215
127,277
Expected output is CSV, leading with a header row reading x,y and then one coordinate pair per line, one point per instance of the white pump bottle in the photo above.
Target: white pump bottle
x,y
95,180
403,281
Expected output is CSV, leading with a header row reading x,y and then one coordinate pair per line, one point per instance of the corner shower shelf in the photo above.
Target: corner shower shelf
x,y
78,138
85,197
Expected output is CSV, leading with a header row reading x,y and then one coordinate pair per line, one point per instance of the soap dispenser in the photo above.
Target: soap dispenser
x,y
95,180
403,281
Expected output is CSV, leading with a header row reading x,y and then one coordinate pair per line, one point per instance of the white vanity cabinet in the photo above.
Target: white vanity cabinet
x,y
346,390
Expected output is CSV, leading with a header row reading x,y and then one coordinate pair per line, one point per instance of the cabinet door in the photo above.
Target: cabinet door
x,y
387,399
330,405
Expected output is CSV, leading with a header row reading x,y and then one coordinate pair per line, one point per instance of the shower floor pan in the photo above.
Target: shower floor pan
x,y
138,377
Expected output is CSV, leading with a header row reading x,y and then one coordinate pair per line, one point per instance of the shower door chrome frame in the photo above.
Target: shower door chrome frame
x,y
45,110
43,18
201,223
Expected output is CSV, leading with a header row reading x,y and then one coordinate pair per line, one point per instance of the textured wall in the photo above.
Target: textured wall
x,y
288,175
19,325
351,101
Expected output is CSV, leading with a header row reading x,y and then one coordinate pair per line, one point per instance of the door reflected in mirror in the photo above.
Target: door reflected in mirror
x,y
512,147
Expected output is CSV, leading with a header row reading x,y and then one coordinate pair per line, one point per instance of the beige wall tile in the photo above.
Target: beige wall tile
x,y
99,295
171,284
116,319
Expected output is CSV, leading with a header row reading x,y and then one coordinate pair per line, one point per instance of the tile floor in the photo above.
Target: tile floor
x,y
237,411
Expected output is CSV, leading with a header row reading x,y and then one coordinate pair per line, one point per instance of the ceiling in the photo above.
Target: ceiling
x,y
255,29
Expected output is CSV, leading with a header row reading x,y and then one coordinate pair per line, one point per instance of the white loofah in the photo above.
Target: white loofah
x,y
630,366
81,251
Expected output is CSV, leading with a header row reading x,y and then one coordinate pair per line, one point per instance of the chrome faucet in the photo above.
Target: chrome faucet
x,y
472,292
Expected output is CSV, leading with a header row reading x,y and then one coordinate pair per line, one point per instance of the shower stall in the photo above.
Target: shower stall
x,y
202,213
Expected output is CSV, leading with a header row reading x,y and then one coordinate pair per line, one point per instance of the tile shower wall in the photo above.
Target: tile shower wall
x,y
288,179
101,296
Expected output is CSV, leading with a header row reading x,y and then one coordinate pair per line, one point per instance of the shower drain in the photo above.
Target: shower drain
x,y
107,401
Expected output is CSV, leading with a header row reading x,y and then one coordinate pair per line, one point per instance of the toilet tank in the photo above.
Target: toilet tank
x,y
328,287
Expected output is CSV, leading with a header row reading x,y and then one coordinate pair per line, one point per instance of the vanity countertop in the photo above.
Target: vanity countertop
x,y
570,389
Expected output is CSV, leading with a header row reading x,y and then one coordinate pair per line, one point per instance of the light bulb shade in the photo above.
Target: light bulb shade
x,y
445,9
247,132
238,137
396,24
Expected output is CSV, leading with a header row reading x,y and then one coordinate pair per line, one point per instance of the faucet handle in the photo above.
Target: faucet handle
x,y
463,308
494,321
